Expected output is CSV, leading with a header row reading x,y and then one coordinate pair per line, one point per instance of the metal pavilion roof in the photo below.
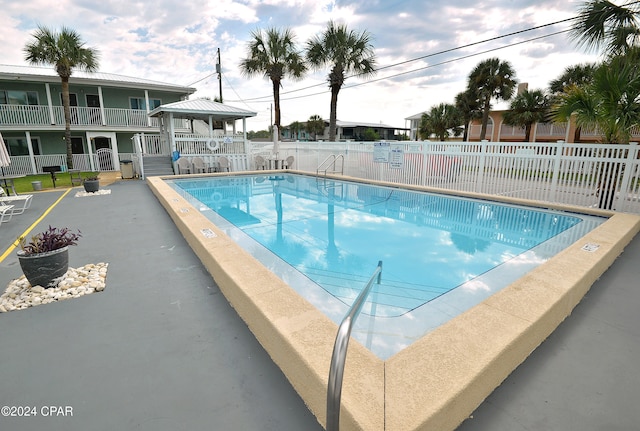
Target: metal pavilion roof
x,y
202,109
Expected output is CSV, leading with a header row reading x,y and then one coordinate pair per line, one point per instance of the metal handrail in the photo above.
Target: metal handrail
x,y
336,370
331,161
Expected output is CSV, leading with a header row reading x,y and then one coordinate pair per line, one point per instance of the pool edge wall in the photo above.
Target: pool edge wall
x,y
438,381
464,360
298,337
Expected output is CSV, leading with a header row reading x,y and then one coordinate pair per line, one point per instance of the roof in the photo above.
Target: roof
x,y
202,109
48,74
416,116
362,124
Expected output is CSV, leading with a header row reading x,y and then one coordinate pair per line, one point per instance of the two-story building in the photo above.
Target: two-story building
x,y
107,110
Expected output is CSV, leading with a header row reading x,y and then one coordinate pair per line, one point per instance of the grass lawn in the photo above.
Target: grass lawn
x,y
63,180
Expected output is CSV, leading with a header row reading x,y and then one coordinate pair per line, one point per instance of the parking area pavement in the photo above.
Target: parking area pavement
x,y
159,349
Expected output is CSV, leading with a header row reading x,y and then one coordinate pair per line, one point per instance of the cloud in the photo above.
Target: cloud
x,y
177,42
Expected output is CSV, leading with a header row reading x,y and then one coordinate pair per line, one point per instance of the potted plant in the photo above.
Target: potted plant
x,y
45,258
91,184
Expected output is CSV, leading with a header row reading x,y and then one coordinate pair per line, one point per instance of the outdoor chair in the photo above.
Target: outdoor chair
x,y
223,162
260,162
18,203
76,177
184,166
199,166
288,162
6,211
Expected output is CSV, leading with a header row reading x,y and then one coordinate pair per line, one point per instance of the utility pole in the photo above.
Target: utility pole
x,y
219,72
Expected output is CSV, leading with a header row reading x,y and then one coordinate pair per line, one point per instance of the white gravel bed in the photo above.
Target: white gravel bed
x,y
83,194
74,284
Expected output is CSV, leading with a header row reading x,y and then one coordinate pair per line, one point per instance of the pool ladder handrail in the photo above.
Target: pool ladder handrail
x,y
338,359
330,162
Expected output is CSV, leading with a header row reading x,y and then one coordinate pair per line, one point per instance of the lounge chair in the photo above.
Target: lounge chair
x,y
6,211
288,162
224,164
260,162
18,203
199,166
184,166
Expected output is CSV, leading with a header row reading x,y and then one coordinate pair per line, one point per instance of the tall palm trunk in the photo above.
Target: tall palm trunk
x,y
485,118
577,134
66,106
527,133
276,101
333,116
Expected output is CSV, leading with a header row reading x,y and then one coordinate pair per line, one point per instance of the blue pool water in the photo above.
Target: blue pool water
x,y
441,254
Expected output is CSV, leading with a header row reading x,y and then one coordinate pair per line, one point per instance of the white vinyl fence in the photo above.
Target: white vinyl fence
x,y
589,175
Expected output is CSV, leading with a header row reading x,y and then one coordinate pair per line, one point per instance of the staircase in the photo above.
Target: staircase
x,y
155,165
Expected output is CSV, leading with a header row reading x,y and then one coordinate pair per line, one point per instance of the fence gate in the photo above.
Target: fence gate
x,y
104,157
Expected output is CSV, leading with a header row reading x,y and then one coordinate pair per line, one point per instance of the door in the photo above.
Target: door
x,y
93,105
104,156
73,107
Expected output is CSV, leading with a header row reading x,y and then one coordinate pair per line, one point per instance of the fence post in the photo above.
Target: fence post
x,y
426,150
481,163
555,176
632,155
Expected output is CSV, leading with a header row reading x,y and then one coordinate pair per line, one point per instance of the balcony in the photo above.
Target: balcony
x,y
21,116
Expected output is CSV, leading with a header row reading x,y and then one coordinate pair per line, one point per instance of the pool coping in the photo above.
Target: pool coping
x,y
440,379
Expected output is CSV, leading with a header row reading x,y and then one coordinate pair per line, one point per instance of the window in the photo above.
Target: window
x,y
77,145
18,146
139,103
16,97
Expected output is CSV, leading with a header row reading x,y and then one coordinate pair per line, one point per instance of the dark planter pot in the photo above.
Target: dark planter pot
x,y
91,186
43,269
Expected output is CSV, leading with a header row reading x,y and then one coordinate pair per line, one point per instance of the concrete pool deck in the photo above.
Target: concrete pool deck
x,y
161,349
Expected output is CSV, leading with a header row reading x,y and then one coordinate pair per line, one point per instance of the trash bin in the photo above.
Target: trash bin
x,y
37,185
126,169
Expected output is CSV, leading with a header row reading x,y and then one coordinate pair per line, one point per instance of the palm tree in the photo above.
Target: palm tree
x,y
273,53
315,126
491,79
65,51
609,103
439,121
347,52
603,24
295,129
580,74
526,109
469,107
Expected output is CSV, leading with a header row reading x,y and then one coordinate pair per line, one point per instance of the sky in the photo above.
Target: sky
x,y
424,50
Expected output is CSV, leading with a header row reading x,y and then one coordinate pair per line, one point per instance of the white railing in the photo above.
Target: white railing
x,y
19,115
475,129
195,144
154,144
507,131
558,130
589,175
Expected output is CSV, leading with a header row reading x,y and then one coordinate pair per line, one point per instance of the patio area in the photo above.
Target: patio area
x,y
161,349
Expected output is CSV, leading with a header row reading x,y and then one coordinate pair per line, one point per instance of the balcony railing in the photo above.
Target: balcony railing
x,y
40,115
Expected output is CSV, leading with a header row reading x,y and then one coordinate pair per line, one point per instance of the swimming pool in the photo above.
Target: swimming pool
x,y
441,254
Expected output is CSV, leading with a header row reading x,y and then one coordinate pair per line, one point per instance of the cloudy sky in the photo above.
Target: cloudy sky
x,y
177,42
